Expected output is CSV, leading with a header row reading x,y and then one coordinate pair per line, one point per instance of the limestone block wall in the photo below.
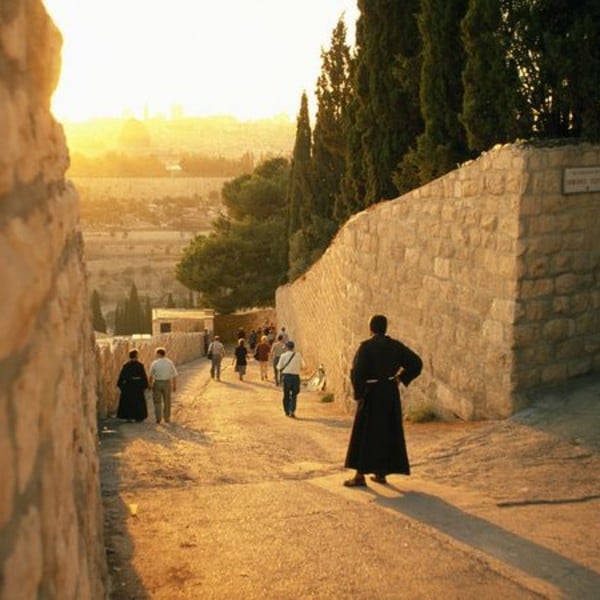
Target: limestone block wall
x,y
50,512
557,324
112,353
459,267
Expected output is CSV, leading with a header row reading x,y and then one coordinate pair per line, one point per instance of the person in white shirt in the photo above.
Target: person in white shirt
x,y
216,352
289,366
163,381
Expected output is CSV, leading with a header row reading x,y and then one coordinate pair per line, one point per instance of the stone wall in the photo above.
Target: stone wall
x,y
50,511
489,273
112,353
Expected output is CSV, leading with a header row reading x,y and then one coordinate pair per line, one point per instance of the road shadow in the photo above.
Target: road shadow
x,y
573,579
328,422
125,582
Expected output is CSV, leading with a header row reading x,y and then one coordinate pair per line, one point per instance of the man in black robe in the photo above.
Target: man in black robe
x,y
132,382
377,442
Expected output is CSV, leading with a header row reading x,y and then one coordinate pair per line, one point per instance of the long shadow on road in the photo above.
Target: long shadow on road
x,y
573,579
125,581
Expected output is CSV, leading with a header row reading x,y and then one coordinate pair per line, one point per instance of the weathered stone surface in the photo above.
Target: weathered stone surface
x,y
50,510
495,262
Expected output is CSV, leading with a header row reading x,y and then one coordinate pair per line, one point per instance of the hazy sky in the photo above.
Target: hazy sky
x,y
247,58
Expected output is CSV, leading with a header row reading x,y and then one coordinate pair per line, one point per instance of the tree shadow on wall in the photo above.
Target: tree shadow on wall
x,y
124,581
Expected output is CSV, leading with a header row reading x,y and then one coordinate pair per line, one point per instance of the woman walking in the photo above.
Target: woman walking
x,y
240,359
262,355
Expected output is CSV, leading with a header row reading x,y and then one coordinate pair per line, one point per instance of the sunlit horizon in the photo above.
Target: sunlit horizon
x,y
195,58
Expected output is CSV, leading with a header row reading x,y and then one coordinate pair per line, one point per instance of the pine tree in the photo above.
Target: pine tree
x,y
98,321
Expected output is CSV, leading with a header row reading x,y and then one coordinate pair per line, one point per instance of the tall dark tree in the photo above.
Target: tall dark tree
x,y
147,315
384,118
300,199
443,144
121,325
98,321
492,108
333,93
556,45
170,301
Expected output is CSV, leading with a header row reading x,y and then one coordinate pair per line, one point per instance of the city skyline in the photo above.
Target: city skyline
x,y
247,60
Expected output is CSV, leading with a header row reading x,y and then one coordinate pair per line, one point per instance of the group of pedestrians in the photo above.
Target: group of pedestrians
x,y
133,382
377,445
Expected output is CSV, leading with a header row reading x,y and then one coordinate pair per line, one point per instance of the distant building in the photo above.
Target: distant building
x,y
182,320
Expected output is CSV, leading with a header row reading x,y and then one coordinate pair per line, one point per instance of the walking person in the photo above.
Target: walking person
x,y
277,350
262,356
377,442
240,359
163,381
284,335
132,382
216,352
252,339
289,366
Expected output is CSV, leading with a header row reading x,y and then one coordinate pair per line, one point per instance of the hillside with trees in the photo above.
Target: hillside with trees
x,y
427,86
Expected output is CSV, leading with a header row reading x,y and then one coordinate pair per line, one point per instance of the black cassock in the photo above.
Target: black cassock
x,y
132,382
377,442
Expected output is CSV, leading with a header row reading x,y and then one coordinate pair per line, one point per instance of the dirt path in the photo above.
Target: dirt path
x,y
234,500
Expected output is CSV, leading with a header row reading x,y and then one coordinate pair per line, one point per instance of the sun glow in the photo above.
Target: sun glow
x,y
249,59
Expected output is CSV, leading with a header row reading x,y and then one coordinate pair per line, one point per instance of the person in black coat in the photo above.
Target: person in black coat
x,y
377,442
132,382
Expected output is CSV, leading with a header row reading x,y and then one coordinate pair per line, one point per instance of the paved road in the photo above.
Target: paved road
x,y
235,500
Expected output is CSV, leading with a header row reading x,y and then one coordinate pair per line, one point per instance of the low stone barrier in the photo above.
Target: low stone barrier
x,y
113,352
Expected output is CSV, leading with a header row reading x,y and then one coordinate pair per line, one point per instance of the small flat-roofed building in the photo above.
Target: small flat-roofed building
x,y
182,320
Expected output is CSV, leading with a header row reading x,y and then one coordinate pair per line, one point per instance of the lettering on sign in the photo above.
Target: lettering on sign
x,y
579,180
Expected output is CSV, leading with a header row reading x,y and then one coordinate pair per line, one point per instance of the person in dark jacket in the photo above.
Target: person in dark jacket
x,y
240,358
132,382
377,442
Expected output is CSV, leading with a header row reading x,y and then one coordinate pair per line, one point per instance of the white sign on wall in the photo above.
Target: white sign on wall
x,y
579,180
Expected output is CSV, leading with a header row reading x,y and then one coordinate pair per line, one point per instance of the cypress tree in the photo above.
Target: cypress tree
x,y
147,316
556,44
300,200
443,143
333,92
133,312
120,324
98,321
301,204
385,118
490,79
170,301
